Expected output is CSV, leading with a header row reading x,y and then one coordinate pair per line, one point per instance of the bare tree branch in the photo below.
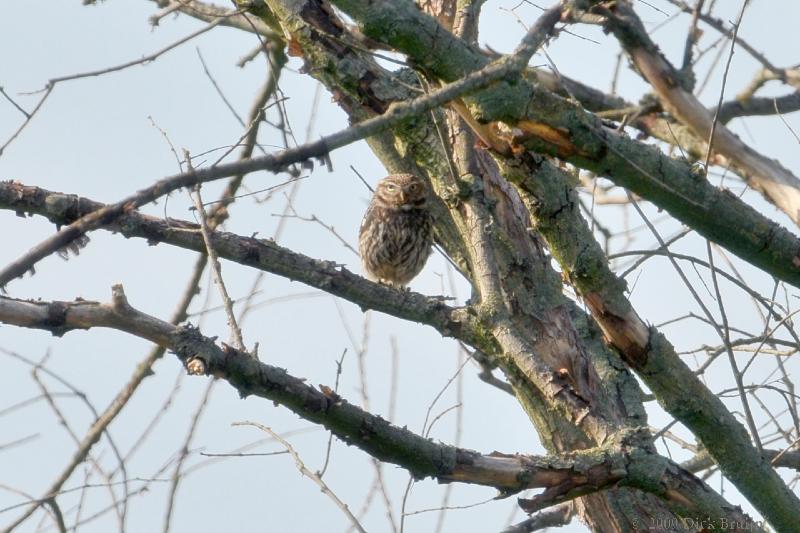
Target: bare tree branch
x,y
626,331
266,255
626,458
277,162
555,126
777,183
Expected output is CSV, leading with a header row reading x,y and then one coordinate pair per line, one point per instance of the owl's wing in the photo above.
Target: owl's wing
x,y
370,212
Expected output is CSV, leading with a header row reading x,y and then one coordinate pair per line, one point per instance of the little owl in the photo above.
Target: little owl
x,y
395,237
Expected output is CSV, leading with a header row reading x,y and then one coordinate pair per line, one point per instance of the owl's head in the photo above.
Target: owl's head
x,y
402,191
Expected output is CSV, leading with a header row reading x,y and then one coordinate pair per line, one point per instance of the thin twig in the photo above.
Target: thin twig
x,y
48,89
321,471
724,82
177,474
216,270
306,472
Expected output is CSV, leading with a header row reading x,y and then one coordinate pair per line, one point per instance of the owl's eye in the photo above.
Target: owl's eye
x,y
390,187
414,187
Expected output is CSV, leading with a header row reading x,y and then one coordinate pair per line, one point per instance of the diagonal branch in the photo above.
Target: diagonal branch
x,y
556,126
626,458
759,106
540,120
775,182
59,208
396,113
553,204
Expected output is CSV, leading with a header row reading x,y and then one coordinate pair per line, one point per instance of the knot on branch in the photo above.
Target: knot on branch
x,y
190,347
56,318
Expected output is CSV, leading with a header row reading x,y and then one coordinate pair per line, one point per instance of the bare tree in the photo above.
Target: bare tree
x,y
553,198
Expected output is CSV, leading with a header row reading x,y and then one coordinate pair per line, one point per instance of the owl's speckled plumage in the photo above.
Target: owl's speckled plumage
x,y
396,233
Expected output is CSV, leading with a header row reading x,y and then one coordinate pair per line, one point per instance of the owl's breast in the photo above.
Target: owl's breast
x,y
395,243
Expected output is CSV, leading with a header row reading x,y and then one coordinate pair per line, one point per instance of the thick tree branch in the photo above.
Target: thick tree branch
x,y
542,121
626,458
551,124
61,209
649,119
777,183
534,290
554,207
759,106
